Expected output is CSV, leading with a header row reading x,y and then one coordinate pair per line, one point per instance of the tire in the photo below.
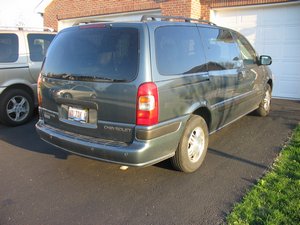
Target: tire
x,y
16,107
265,104
191,152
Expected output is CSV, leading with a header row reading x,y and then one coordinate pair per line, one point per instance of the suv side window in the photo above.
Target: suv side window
x,y
38,45
247,52
179,50
222,51
9,48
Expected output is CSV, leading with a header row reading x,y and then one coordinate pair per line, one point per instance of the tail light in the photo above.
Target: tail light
x,y
39,94
147,104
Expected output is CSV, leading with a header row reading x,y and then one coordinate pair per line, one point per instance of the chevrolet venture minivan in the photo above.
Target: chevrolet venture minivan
x,y
141,92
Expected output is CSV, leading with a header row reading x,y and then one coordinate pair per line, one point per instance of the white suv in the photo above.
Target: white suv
x,y
22,51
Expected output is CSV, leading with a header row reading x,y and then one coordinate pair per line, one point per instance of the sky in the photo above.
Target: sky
x,y
20,13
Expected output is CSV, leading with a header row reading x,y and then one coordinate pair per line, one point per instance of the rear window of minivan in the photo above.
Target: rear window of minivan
x,y
89,51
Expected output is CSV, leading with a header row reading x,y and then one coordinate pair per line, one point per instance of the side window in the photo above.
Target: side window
x,y
38,45
247,52
9,48
222,51
179,50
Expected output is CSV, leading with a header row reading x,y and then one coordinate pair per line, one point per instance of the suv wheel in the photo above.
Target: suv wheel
x,y
192,146
265,105
16,107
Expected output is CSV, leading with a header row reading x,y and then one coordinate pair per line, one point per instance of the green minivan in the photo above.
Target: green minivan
x,y
141,92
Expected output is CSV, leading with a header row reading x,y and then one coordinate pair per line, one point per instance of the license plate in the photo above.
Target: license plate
x,y
80,115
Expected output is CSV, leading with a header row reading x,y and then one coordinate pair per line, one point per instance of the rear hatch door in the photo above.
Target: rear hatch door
x,y
87,85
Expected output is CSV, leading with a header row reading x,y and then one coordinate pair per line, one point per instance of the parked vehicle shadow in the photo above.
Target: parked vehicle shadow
x,y
287,110
25,137
167,163
230,156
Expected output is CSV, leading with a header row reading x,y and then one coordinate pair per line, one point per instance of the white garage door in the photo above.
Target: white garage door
x,y
273,30
118,17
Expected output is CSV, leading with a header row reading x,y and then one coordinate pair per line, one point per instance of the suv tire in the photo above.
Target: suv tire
x,y
192,147
16,107
265,104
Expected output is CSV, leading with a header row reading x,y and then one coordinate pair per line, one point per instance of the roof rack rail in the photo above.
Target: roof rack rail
x,y
27,28
146,18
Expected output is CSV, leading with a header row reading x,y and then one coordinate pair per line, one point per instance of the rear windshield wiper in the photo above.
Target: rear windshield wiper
x,y
97,78
68,76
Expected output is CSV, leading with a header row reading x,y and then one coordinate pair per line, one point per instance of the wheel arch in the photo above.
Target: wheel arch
x,y
205,113
23,87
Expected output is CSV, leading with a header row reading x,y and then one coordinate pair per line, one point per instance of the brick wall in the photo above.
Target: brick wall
x,y
50,19
195,9
176,8
67,9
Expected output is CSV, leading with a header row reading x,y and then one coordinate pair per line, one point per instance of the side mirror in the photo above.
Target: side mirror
x,y
265,60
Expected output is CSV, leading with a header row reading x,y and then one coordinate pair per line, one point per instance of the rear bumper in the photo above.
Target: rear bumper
x,y
138,153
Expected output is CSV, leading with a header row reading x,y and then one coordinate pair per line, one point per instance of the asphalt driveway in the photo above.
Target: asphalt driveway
x,y
41,184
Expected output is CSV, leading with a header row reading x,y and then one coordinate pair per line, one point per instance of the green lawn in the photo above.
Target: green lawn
x,y
276,197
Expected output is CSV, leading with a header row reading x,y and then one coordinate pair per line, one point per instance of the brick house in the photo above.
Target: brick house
x,y
272,26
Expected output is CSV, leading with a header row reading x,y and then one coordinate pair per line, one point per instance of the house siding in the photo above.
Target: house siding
x,y
67,9
206,5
